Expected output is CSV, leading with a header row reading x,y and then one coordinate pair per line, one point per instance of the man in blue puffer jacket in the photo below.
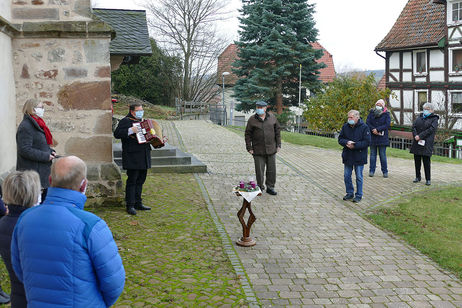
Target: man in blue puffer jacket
x,y
355,138
65,256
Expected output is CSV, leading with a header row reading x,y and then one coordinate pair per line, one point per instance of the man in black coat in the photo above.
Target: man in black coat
x,y
136,158
355,138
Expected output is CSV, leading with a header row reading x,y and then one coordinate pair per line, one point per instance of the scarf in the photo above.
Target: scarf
x,y
45,128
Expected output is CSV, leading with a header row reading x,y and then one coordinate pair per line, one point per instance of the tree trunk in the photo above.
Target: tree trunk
x,y
279,103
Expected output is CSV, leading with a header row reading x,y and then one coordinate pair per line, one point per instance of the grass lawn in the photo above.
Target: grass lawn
x,y
173,256
331,143
431,221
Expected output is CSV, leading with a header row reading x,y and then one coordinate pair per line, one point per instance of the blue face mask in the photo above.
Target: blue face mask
x,y
139,114
351,122
260,111
426,113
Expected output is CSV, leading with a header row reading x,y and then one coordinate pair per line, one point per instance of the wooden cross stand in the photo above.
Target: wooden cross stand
x,y
246,240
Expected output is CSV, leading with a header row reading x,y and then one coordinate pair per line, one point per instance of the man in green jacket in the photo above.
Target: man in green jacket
x,y
263,141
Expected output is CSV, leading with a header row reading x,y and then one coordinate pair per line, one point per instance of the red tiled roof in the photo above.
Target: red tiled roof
x,y
229,55
326,74
422,22
382,83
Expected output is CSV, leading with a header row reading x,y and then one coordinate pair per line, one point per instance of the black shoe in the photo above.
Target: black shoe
x,y
271,191
262,188
141,207
385,175
416,180
357,200
428,182
131,210
348,197
4,298
371,174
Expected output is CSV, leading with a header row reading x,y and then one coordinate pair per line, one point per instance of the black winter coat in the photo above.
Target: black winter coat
x,y
33,150
7,224
425,128
134,155
381,123
360,134
263,136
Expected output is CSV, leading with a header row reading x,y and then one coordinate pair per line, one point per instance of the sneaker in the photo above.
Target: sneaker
x,y
385,175
416,180
348,197
357,200
371,174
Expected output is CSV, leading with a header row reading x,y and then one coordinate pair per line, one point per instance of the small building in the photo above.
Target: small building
x,y
423,56
229,55
59,52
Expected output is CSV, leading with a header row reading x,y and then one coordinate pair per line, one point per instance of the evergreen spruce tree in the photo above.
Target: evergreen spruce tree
x,y
275,38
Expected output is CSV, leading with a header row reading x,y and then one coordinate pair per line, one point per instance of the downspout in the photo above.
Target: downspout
x,y
377,52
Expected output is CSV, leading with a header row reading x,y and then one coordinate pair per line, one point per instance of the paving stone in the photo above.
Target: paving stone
x,y
308,237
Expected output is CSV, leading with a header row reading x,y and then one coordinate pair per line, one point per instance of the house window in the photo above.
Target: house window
x,y
456,102
457,11
421,62
456,58
422,98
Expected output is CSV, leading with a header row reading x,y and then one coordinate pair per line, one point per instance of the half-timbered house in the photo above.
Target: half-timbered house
x,y
423,56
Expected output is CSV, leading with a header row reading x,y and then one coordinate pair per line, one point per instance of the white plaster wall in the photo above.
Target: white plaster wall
x,y
438,98
7,106
421,79
394,74
397,113
394,101
408,97
458,124
436,76
407,76
455,78
436,58
407,118
456,36
407,60
394,60
5,9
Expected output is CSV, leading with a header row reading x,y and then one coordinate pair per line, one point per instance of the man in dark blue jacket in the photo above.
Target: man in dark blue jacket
x,y
65,256
136,158
355,138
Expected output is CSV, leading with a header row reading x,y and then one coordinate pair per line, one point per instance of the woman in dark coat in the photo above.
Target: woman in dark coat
x,y
424,130
378,121
21,190
33,140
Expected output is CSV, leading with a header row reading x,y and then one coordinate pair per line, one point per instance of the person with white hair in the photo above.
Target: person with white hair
x,y
378,121
424,130
355,138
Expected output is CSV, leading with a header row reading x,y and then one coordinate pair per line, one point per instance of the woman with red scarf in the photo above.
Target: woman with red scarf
x,y
34,141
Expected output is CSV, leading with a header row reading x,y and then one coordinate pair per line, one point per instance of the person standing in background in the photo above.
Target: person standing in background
x,y
378,121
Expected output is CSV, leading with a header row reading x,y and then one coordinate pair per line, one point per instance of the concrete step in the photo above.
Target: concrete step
x,y
167,159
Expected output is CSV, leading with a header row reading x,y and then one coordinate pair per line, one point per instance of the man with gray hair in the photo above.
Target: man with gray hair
x,y
62,254
355,138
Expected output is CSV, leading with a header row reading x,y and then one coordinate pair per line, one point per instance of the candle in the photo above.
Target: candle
x,y
252,183
241,184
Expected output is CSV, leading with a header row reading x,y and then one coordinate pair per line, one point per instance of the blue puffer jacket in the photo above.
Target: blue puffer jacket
x,y
360,134
65,256
381,123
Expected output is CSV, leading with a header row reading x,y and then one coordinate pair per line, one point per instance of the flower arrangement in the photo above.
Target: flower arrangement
x,y
247,187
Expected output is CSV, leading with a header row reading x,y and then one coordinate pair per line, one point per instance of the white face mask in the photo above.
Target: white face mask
x,y
378,107
39,111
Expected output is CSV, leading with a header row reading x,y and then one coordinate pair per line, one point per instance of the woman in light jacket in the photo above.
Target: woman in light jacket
x,y
34,141
423,131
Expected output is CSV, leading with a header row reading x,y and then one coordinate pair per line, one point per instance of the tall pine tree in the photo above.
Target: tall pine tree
x,y
275,38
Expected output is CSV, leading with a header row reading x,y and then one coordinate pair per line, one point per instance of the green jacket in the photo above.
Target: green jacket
x,y
263,136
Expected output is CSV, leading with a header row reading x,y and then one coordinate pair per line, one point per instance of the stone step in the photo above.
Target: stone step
x,y
167,150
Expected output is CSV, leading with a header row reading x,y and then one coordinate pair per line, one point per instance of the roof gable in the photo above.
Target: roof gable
x,y
229,55
132,36
421,23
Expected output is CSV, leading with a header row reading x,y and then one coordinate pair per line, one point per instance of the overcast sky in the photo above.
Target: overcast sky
x,y
349,30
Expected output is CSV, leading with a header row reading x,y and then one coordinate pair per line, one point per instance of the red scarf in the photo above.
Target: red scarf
x,y
45,128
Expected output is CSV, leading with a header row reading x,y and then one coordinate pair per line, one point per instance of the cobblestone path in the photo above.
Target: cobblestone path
x,y
314,249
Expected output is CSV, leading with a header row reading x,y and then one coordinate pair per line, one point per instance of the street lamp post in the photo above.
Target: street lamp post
x,y
224,106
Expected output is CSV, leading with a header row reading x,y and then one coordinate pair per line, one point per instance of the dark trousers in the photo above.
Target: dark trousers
x,y
134,186
418,163
267,162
